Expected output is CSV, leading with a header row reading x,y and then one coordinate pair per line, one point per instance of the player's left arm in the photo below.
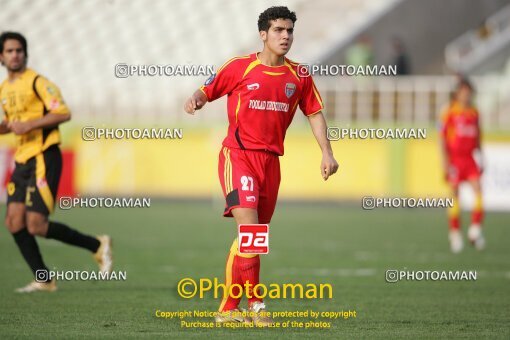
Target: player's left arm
x,y
311,105
478,151
329,165
48,121
4,129
57,110
479,135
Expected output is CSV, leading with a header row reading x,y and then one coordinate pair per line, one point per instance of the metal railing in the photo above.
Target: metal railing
x,y
410,100
474,46
399,100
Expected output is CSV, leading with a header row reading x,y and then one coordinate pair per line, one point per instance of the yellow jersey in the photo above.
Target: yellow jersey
x,y
30,97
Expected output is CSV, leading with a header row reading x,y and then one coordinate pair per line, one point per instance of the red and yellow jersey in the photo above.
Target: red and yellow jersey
x,y
460,129
262,101
30,97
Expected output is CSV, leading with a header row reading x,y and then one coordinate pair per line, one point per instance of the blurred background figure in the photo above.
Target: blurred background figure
x,y
360,54
484,30
400,57
460,141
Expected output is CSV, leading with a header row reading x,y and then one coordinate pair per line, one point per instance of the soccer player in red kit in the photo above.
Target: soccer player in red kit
x,y
264,90
460,135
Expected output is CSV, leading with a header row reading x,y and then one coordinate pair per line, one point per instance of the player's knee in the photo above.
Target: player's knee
x,y
34,229
14,222
477,189
8,223
245,215
36,225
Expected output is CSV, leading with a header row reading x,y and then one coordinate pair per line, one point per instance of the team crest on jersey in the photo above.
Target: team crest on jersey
x,y
11,188
290,88
210,79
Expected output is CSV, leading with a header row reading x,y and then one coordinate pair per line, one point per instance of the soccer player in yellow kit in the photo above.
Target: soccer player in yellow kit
x,y
34,108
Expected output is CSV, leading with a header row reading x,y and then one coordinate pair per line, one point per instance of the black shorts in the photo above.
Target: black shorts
x,y
35,183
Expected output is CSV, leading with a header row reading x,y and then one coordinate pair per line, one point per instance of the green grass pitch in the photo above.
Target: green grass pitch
x,y
345,246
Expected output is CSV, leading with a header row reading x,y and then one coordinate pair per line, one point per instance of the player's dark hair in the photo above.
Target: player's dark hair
x,y
464,82
15,36
274,13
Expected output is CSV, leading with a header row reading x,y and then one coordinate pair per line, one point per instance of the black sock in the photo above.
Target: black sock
x,y
30,250
63,233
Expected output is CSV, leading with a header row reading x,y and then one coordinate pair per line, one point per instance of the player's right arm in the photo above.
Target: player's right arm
x,y
4,128
195,102
216,86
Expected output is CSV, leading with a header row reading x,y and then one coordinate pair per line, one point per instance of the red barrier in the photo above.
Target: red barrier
x,y
67,180
67,183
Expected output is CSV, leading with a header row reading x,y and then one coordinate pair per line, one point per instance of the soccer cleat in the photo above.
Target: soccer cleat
x,y
234,315
475,236
103,255
456,242
35,286
259,315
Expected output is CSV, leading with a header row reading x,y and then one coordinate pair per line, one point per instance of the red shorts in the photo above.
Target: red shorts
x,y
249,179
462,169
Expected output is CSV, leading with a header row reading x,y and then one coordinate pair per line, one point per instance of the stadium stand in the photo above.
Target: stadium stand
x,y
78,43
483,49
